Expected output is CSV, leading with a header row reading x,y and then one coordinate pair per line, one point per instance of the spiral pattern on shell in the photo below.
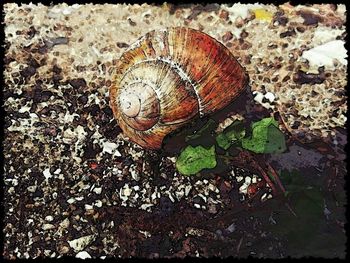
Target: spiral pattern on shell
x,y
169,77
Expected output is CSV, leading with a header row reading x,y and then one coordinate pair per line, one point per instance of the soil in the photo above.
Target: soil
x,y
75,186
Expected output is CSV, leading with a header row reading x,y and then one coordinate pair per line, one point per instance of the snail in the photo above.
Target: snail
x,y
169,77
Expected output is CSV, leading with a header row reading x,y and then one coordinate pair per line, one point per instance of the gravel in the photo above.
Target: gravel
x,y
75,186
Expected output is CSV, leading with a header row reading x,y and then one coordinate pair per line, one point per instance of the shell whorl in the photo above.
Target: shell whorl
x,y
167,78
139,106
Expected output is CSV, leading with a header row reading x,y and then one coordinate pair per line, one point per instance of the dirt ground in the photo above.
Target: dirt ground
x,y
74,185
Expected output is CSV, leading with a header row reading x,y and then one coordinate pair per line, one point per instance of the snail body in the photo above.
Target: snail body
x,y
169,77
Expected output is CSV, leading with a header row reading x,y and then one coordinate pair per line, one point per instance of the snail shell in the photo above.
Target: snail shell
x,y
169,77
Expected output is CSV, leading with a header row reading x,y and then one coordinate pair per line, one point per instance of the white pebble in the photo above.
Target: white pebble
x,y
48,226
31,188
110,147
98,190
145,206
83,255
47,173
263,197
197,206
98,203
203,197
212,187
134,175
179,194
254,180
127,192
231,228
171,197
239,178
49,218
258,96
325,54
146,233
65,223
88,207
71,200
270,96
80,243
154,195
187,189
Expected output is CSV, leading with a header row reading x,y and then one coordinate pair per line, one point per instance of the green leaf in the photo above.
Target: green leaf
x,y
266,137
232,134
194,159
223,141
203,136
265,122
205,130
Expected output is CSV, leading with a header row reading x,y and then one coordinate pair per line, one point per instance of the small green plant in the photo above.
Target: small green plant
x,y
265,138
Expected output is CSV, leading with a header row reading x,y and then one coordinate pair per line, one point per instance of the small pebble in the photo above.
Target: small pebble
x,y
83,255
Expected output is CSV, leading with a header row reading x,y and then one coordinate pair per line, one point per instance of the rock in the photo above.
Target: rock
x,y
83,255
63,250
65,223
80,243
49,218
231,228
98,190
47,173
270,96
110,147
227,36
48,226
